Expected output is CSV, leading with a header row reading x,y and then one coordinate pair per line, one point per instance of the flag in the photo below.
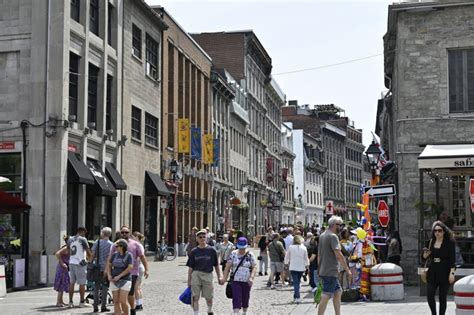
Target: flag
x,y
183,135
196,143
208,150
216,152
383,158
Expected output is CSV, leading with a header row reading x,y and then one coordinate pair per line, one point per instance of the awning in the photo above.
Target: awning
x,y
115,176
103,184
77,171
156,184
447,156
11,205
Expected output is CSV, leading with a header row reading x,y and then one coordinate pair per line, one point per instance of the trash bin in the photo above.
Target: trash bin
x,y
464,295
386,282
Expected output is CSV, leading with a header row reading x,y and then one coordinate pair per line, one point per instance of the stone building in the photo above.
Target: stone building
x,y
60,129
245,58
141,102
186,95
354,157
425,123
287,212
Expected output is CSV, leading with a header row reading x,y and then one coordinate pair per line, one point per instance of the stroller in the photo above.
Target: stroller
x,y
90,288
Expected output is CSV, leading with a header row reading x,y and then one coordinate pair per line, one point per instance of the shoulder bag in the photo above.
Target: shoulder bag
x,y
93,269
424,271
228,288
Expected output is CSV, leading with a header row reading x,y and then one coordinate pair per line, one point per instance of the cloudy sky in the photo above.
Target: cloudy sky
x,y
323,52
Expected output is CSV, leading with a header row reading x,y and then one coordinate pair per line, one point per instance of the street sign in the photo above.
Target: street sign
x,y
381,190
383,213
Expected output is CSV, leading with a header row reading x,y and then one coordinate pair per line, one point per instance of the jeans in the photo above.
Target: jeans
x,y
240,295
102,285
296,275
313,276
443,293
262,262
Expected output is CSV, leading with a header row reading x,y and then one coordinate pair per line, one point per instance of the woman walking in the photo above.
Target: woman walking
x,y
263,255
141,272
243,265
442,257
297,259
394,248
119,267
61,279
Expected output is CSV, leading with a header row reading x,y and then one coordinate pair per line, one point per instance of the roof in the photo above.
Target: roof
x,y
152,13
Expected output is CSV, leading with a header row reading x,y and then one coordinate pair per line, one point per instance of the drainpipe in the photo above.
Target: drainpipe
x,y
46,83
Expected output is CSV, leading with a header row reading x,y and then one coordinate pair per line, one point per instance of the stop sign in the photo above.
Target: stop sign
x,y
383,213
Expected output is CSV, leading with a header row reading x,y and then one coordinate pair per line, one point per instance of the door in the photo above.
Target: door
x,y
136,213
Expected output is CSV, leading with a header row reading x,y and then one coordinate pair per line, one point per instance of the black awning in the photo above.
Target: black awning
x,y
103,184
156,185
77,171
115,176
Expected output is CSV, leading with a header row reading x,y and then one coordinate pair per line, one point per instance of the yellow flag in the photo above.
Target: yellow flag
x,y
183,135
207,148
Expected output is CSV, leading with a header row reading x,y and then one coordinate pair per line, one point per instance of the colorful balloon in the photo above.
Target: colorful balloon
x,y
361,234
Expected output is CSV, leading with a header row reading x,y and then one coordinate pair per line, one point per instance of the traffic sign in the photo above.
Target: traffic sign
x,y
329,207
381,190
383,213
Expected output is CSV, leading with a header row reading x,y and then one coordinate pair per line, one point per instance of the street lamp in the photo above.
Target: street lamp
x,y
373,153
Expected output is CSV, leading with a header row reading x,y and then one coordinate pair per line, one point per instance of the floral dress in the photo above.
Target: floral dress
x,y
61,280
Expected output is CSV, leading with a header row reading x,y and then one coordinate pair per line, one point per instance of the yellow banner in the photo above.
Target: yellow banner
x,y
207,148
183,135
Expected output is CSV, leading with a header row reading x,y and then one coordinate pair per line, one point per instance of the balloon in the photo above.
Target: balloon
x,y
373,247
361,234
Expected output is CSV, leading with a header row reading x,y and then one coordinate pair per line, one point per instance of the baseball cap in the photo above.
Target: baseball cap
x,y
242,243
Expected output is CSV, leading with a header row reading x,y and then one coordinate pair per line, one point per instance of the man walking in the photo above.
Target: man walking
x,y
78,248
329,254
134,248
100,252
202,259
277,255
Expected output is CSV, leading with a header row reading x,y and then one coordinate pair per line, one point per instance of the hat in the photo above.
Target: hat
x,y
242,243
201,232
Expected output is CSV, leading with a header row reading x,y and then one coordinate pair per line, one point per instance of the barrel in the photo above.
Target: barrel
x,y
386,282
464,295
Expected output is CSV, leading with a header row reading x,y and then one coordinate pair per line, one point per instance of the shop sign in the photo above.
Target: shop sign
x,y
383,213
9,145
72,148
471,190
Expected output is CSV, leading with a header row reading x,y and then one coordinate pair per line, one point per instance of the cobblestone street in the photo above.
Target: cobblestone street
x,y
168,280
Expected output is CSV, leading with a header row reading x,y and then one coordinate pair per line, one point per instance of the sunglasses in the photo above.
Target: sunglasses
x,y
124,232
202,236
438,230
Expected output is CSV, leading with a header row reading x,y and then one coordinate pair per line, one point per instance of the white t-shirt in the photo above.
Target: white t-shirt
x,y
245,269
77,246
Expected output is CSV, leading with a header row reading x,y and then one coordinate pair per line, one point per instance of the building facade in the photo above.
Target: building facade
x,y
60,135
288,207
186,95
354,156
429,105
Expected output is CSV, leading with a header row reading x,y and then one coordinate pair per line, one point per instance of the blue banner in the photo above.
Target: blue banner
x,y
196,143
216,152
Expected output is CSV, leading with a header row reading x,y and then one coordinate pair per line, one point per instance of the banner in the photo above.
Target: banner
x,y
183,135
196,143
208,148
216,152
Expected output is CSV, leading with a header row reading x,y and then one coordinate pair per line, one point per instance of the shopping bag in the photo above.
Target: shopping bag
x,y
318,292
185,297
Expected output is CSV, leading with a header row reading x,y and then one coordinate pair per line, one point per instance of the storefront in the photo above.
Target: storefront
x,y
447,193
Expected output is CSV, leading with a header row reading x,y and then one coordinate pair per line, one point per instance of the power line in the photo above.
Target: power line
x,y
329,65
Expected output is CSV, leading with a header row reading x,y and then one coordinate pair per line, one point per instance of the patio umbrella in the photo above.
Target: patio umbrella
x,y
11,204
4,180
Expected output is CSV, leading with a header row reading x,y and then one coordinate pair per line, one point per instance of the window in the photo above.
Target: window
x,y
73,83
92,95
151,57
136,41
10,167
108,108
110,20
75,10
461,80
151,130
94,17
136,123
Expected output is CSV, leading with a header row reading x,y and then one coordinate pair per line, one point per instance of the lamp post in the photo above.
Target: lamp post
x,y
373,153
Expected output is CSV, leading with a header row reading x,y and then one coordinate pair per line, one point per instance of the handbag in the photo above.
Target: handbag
x,y
424,271
93,269
185,297
349,294
228,287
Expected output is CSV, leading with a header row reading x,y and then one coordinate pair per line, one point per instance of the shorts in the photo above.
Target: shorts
x,y
276,266
132,288
330,285
201,284
125,287
77,274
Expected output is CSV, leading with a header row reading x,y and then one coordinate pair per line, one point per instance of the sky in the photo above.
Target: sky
x,y
325,36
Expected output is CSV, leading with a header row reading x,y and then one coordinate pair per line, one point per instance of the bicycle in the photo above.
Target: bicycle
x,y
165,252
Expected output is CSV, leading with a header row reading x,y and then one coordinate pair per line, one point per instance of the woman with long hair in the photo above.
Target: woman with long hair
x,y
61,279
119,267
441,255
394,248
297,259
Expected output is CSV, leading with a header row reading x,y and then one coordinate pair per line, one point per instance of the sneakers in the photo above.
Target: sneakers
x,y
260,274
104,309
82,304
297,301
139,307
273,287
70,305
96,309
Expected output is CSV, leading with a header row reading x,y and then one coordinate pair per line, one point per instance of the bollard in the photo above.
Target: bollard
x,y
464,295
3,282
386,282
